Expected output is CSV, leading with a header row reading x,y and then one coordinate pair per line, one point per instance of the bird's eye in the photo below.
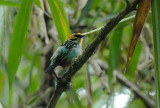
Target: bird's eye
x,y
78,36
73,39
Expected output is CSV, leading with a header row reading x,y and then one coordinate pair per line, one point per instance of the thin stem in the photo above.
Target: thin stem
x,y
92,31
89,88
95,30
55,97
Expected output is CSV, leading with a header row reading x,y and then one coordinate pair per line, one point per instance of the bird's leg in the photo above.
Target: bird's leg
x,y
55,75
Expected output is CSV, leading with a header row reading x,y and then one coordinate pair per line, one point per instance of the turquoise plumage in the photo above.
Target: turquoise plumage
x,y
64,55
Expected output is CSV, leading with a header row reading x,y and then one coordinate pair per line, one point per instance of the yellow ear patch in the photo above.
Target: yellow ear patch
x,y
77,33
72,36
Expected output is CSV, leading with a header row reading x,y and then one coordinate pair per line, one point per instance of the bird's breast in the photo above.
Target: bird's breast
x,y
72,54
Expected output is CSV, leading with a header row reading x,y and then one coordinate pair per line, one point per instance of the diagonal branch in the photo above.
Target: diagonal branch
x,y
89,51
101,36
149,102
123,80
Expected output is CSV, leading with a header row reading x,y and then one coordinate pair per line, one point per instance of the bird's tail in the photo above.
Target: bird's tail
x,y
49,69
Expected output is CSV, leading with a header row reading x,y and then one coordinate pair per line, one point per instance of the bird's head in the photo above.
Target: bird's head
x,y
77,37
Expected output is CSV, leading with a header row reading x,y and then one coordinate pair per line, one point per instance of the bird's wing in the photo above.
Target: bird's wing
x,y
62,52
59,51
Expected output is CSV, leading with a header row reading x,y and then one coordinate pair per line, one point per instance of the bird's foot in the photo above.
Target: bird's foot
x,y
57,77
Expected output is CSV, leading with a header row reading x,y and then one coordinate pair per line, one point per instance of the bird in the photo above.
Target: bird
x,y
66,53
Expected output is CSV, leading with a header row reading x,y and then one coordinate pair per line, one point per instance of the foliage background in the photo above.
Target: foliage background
x,y
41,39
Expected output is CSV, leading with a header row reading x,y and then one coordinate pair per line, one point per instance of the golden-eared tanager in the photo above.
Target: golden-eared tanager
x,y
66,53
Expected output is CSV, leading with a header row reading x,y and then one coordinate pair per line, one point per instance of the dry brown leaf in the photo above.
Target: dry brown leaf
x,y
141,15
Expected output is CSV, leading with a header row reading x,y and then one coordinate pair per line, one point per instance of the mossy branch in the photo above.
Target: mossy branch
x,y
89,51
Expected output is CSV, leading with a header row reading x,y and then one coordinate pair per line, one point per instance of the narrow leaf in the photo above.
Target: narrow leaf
x,y
2,36
9,3
134,61
33,99
18,37
156,43
141,15
4,88
60,19
2,80
114,53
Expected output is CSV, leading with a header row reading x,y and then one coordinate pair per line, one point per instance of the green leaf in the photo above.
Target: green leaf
x,y
114,53
20,31
4,88
33,99
38,3
2,79
156,43
136,102
60,19
2,36
9,3
134,61
96,3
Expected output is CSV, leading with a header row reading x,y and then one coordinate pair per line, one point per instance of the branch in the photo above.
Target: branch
x,y
101,74
149,102
55,97
122,79
89,51
91,48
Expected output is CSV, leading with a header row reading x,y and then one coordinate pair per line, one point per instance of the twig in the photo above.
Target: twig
x,y
122,79
149,102
55,97
42,98
89,51
42,23
92,31
89,88
96,30
128,3
101,74
33,29
98,71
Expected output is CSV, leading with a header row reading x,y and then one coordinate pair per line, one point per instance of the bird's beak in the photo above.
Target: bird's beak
x,y
81,36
